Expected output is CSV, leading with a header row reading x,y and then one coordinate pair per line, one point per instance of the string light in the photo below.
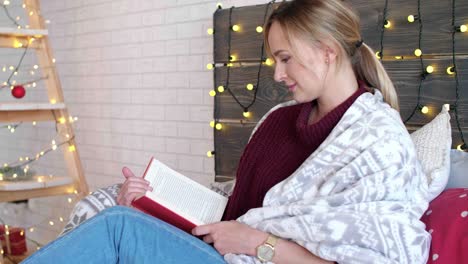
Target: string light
x,y
71,148
232,57
210,31
219,5
219,126
210,154
424,109
249,87
412,18
429,69
269,62
461,28
457,82
235,28
451,70
212,93
220,88
246,113
418,52
399,57
387,24
259,29
212,124
210,66
379,54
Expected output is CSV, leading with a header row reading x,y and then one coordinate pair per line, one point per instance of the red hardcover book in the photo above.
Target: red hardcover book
x,y
178,200
14,241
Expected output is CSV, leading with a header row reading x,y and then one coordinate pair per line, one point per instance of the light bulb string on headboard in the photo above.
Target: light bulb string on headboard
x,y
227,85
421,62
457,83
382,30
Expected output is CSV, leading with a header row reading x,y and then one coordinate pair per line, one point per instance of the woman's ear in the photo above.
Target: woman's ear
x,y
331,51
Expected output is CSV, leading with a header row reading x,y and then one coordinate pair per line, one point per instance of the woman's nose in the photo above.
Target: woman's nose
x,y
280,74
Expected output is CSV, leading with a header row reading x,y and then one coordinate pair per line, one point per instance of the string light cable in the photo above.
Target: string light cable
x,y
424,72
463,146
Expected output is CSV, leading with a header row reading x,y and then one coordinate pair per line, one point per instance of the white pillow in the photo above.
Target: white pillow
x,y
458,169
433,142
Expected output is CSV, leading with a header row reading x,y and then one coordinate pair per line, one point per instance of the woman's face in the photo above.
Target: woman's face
x,y
306,77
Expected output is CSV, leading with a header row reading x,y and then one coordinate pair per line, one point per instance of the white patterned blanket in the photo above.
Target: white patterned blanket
x,y
358,198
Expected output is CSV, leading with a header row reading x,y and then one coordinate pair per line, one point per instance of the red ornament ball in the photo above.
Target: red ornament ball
x,y
18,91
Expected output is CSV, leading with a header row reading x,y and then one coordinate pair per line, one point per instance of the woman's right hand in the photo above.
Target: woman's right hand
x,y
132,188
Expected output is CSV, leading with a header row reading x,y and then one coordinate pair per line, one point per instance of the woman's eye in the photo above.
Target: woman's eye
x,y
285,60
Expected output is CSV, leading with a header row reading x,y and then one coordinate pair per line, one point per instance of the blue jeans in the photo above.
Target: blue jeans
x,y
123,235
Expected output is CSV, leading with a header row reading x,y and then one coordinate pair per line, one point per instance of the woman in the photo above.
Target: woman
x,y
330,176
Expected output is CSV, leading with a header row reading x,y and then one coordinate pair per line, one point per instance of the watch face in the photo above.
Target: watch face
x,y
265,252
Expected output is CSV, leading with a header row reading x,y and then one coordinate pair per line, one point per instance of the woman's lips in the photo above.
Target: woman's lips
x,y
292,87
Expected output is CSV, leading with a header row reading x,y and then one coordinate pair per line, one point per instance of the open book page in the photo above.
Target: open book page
x,y
189,199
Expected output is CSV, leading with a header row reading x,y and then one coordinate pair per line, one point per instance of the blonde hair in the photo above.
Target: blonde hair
x,y
333,20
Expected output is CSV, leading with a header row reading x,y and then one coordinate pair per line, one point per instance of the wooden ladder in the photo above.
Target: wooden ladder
x,y
36,37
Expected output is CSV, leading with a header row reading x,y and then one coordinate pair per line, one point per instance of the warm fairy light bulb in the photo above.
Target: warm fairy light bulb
x,y
69,200
210,31
219,5
462,28
246,114
36,67
425,110
411,18
34,123
53,60
4,69
15,176
232,57
219,126
210,153
210,66
71,148
235,28
399,57
53,101
249,87
31,229
17,44
212,123
6,2
5,165
41,153
378,54
54,147
259,29
220,88
387,24
62,120
269,62
61,219
212,93
12,130
451,70
461,147
430,69
51,223
418,52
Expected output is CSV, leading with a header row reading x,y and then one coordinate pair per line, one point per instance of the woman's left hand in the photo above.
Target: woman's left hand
x,y
231,237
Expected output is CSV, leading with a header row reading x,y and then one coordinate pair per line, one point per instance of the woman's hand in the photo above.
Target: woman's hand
x,y
231,237
132,188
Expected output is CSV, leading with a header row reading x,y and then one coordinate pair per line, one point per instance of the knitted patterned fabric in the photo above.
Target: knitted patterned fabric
x,y
358,198
277,149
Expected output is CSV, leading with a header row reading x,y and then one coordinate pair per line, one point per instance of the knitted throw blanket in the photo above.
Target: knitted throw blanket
x,y
358,198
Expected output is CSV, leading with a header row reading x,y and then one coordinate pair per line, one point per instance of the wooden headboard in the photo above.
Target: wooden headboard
x,y
400,40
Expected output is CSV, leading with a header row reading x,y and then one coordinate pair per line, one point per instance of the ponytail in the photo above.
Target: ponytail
x,y
369,69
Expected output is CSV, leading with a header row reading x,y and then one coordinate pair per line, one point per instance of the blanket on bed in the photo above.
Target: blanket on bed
x,y
358,198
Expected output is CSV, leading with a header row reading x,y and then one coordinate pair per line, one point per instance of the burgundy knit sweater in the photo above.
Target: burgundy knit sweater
x,y
280,145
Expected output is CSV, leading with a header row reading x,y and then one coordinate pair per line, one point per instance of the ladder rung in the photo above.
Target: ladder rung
x,y
15,112
5,31
38,182
30,106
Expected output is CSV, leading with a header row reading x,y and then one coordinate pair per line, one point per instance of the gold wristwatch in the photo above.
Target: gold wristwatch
x,y
266,251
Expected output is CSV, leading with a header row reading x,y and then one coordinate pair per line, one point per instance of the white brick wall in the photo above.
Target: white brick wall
x,y
134,73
